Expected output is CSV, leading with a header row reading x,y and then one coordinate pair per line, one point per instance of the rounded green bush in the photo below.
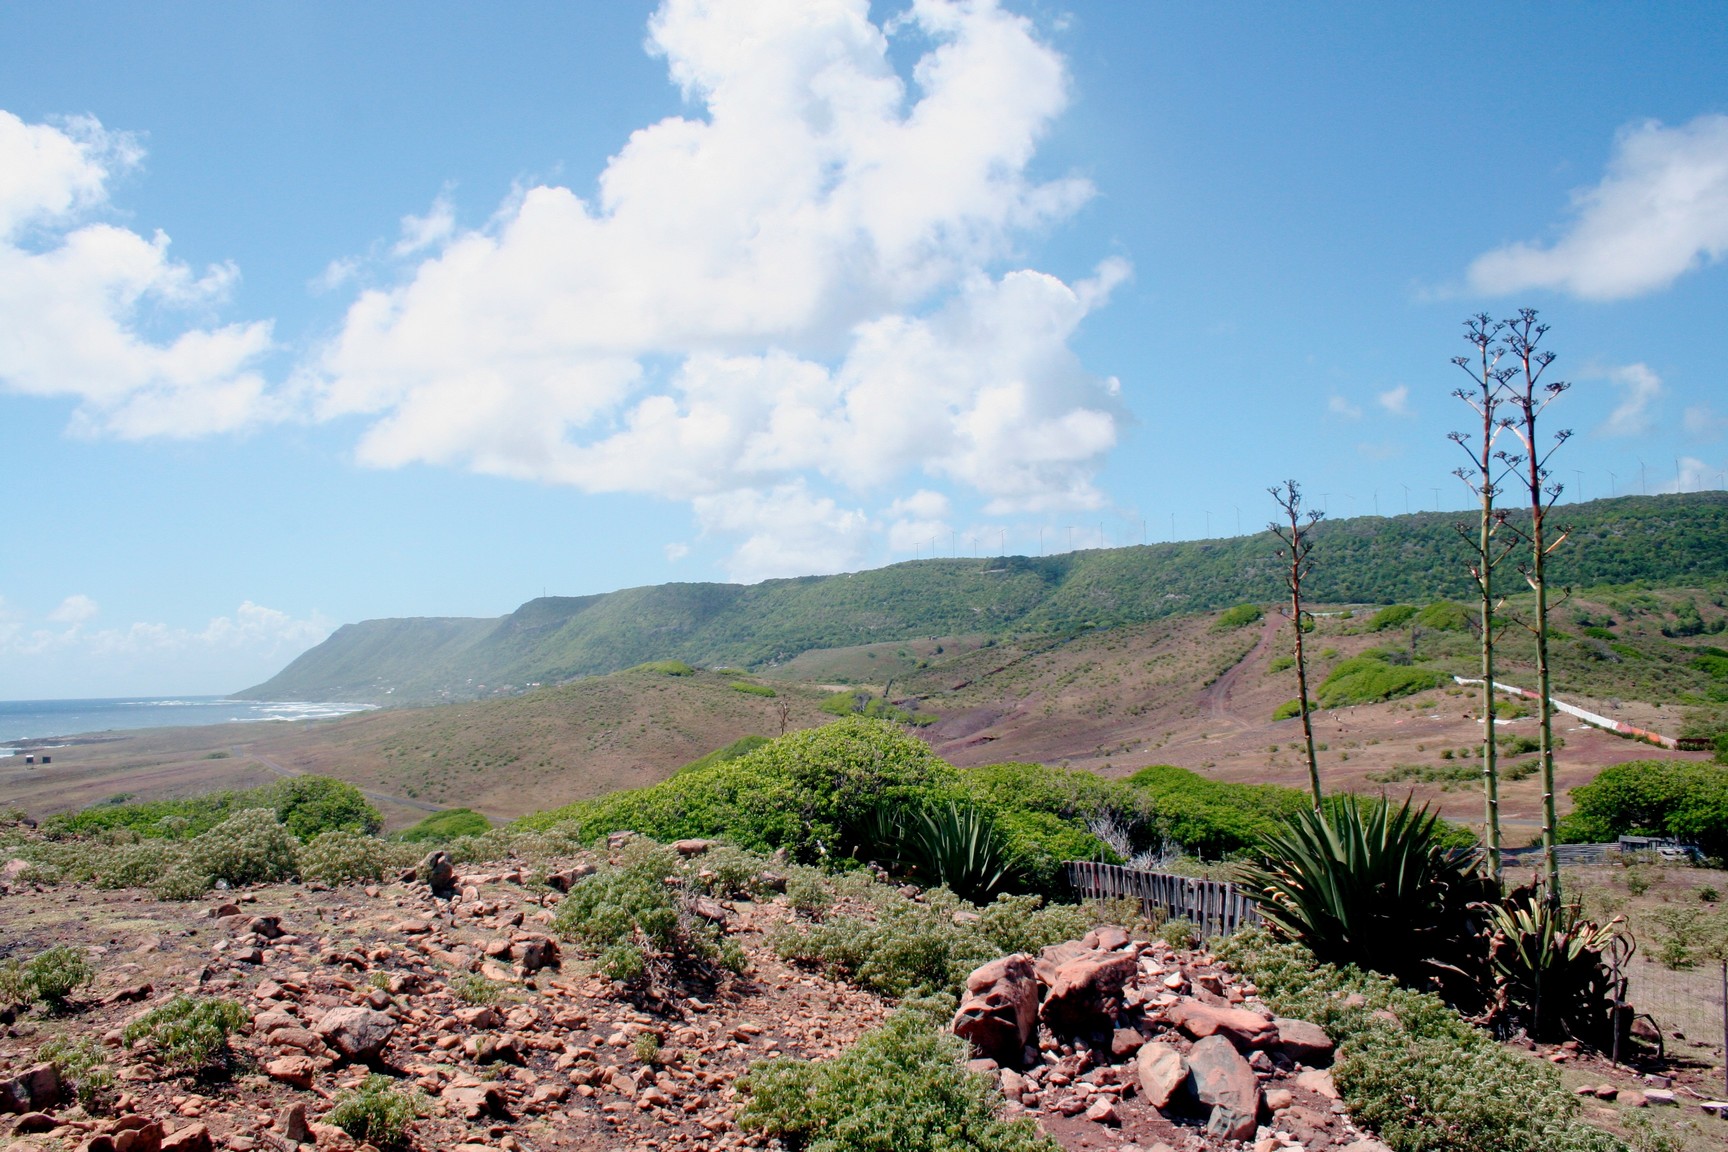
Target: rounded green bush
x,y
249,847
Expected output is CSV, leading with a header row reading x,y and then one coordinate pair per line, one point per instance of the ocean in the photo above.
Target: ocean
x,y
40,719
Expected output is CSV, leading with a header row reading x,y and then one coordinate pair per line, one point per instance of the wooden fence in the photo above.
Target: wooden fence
x,y
1569,855
1216,907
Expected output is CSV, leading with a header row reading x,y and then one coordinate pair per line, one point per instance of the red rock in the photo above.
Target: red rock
x,y
692,847
535,951
1303,1042
32,1122
293,1070
1000,1010
1106,937
1083,995
1219,1076
1103,1111
356,1033
290,1124
1124,1042
1241,1027
35,1089
474,1101
1163,1073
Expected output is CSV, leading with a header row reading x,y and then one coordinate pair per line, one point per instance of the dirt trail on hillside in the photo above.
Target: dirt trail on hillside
x,y
1215,699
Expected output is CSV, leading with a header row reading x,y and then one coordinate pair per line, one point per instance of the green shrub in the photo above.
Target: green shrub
x,y
1280,664
1445,616
135,865
50,976
1179,933
901,1086
666,668
376,1112
906,946
1687,800
1370,679
1412,1069
310,805
646,1048
83,1062
249,847
446,825
1291,708
181,882
1377,888
188,1033
753,689
732,751
1240,616
339,857
473,988
628,916
305,805
1392,616
1211,818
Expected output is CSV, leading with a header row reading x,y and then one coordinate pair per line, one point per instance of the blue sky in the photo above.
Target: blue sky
x,y
313,313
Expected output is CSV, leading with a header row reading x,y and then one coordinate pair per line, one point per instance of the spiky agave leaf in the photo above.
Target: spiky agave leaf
x,y
1373,886
957,845
1551,968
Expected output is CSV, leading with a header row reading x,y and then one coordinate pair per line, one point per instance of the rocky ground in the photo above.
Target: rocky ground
x,y
1107,1042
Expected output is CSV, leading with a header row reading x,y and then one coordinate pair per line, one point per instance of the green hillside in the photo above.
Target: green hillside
x,y
1659,540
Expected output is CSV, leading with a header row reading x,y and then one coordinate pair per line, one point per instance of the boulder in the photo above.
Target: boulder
x,y
1219,1076
1106,938
440,873
474,1101
290,1124
1303,1042
1085,992
535,951
35,1089
1163,1073
1319,1082
293,1069
692,847
192,1138
999,1012
1241,1027
563,880
356,1033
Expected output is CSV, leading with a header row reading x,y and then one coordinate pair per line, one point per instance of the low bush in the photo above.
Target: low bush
x,y
902,1086
636,924
83,1063
1211,818
751,688
906,946
250,847
666,668
1240,616
188,1033
136,865
1291,708
340,857
473,988
1445,616
1392,616
1280,664
446,825
305,805
1371,679
49,977
732,751
1413,1070
1686,800
375,1112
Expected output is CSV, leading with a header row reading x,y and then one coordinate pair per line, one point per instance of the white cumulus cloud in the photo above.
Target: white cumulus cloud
x,y
782,307
1640,388
77,294
75,609
1339,406
1395,400
1660,210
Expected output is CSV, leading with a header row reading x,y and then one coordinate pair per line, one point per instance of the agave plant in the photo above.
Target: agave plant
x,y
957,845
1375,886
1554,970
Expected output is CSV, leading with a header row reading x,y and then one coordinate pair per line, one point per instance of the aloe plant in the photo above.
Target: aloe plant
x,y
1554,969
1374,886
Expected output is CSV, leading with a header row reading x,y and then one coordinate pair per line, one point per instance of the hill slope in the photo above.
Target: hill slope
x,y
1662,540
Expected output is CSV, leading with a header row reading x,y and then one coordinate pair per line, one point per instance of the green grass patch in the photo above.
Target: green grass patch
x,y
751,688
1369,679
1392,616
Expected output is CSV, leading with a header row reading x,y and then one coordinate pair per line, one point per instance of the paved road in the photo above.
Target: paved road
x,y
284,770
